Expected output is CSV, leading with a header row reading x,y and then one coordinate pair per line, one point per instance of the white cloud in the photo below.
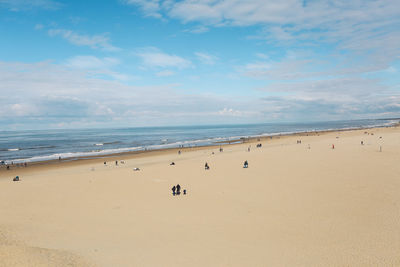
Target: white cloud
x,y
206,58
38,27
165,73
101,41
96,66
91,62
362,27
149,7
154,58
198,29
18,5
46,94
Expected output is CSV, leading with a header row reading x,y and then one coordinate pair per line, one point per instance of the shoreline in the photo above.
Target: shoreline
x,y
163,151
297,204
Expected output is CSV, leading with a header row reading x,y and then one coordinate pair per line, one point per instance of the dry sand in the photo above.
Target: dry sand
x,y
293,206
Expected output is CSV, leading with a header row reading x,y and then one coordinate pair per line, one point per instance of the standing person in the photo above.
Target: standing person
x,y
178,189
116,162
246,164
206,166
173,190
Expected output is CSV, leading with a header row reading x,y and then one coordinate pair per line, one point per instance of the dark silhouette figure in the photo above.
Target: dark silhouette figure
x,y
246,164
184,191
206,166
173,190
178,189
172,163
16,179
8,167
116,162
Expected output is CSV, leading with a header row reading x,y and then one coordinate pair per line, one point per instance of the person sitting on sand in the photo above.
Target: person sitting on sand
x,y
172,163
178,189
16,179
246,164
206,166
173,190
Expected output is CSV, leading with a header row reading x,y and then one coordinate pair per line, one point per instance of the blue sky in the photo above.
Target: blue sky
x,y
126,63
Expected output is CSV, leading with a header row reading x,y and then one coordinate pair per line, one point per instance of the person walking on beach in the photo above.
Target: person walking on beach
x,y
178,189
173,190
206,166
246,164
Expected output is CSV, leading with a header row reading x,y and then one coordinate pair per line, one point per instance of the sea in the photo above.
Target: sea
x,y
44,145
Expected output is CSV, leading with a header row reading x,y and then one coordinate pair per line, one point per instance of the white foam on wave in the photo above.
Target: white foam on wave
x,y
13,149
70,155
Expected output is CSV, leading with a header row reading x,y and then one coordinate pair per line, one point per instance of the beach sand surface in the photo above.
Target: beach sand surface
x,y
296,205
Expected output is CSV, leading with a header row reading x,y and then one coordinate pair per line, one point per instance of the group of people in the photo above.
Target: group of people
x,y
176,190
298,142
8,165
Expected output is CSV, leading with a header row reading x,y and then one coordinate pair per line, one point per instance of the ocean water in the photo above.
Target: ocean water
x,y
42,145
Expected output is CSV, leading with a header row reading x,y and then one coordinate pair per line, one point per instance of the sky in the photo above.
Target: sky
x,y
132,63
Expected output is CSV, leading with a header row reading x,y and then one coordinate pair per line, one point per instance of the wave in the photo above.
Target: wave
x,y
70,155
99,151
26,148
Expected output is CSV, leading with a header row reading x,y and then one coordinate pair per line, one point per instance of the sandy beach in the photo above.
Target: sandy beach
x,y
296,205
